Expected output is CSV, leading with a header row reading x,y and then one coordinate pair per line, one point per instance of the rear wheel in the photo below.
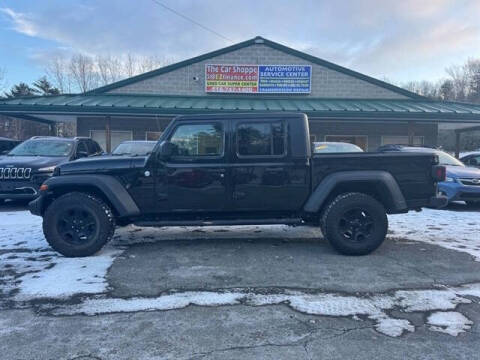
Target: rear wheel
x,y
78,224
354,223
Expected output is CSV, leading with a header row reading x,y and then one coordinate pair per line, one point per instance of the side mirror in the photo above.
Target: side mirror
x,y
473,162
167,149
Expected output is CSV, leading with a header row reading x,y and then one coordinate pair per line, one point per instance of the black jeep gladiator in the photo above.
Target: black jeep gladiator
x,y
236,169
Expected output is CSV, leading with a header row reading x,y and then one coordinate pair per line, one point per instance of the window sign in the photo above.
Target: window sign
x,y
273,79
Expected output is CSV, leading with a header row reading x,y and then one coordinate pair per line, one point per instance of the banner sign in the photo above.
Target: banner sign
x,y
273,79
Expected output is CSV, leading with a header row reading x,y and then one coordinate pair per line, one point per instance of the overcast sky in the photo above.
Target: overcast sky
x,y
401,40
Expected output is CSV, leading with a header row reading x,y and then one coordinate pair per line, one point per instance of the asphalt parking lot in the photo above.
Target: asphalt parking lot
x,y
239,293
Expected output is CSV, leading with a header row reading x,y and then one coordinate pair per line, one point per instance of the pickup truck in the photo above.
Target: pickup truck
x,y
236,169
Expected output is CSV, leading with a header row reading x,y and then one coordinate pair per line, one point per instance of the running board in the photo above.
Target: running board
x,y
288,221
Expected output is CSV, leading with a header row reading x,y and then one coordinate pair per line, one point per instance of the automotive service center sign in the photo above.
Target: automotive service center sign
x,y
273,79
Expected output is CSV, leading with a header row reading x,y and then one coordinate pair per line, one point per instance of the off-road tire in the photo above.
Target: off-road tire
x,y
332,228
97,210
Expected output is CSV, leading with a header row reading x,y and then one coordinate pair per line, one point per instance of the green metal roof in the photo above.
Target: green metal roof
x,y
263,41
170,105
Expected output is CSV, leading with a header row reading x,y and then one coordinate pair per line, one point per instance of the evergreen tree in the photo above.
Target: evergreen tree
x,y
447,90
20,90
44,87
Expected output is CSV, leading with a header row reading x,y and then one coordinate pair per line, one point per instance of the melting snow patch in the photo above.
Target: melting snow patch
x,y
451,322
68,277
455,230
37,271
374,307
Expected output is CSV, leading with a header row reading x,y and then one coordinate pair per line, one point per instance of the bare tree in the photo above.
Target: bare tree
x,y
83,72
109,69
57,71
459,76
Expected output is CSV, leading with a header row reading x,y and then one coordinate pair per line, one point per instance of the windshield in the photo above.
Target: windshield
x,y
134,149
325,147
446,159
43,148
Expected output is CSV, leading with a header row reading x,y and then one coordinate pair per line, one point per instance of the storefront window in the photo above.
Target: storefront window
x,y
401,140
116,137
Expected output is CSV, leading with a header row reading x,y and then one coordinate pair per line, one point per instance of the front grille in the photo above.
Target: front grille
x,y
470,182
12,173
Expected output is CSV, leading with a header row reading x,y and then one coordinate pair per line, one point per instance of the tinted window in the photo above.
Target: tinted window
x,y
261,139
82,147
92,147
198,140
473,160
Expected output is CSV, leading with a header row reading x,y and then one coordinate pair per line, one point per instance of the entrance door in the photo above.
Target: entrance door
x,y
195,177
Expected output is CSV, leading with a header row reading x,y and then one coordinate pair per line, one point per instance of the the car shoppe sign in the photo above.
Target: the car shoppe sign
x,y
274,79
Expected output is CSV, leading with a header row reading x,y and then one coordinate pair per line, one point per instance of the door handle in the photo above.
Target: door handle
x,y
222,175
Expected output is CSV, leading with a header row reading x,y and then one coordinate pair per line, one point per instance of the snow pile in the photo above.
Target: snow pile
x,y
374,307
455,230
450,322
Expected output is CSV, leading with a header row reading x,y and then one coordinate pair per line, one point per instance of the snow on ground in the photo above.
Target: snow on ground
x,y
450,322
30,266
31,270
375,307
455,230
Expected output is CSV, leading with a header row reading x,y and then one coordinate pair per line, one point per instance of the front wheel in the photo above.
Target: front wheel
x,y
354,223
78,224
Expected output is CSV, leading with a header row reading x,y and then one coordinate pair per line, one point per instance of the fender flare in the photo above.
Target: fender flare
x,y
110,187
384,182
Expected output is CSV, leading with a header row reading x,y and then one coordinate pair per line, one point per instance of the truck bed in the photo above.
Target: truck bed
x,y
412,171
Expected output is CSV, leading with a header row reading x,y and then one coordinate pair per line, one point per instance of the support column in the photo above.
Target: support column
x,y
457,144
108,137
52,130
411,133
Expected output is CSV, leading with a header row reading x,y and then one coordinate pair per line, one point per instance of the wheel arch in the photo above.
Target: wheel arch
x,y
105,187
381,185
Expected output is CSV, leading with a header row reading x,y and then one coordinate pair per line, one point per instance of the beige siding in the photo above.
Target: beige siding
x,y
326,83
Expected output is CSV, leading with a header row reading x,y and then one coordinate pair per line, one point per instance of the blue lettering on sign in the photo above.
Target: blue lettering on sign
x,y
284,78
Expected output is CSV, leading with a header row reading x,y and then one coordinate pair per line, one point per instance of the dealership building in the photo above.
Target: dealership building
x,y
256,75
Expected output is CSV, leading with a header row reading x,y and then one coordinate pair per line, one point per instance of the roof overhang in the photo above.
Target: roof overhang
x,y
50,108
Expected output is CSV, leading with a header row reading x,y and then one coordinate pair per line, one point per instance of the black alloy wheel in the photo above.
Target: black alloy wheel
x,y
354,223
77,225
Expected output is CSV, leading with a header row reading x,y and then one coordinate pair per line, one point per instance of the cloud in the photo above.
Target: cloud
x,y
22,23
379,37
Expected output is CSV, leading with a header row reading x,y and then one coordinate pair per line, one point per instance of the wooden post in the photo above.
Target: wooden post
x,y
457,144
411,133
108,137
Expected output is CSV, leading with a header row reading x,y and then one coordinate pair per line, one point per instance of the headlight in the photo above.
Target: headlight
x,y
47,169
449,179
